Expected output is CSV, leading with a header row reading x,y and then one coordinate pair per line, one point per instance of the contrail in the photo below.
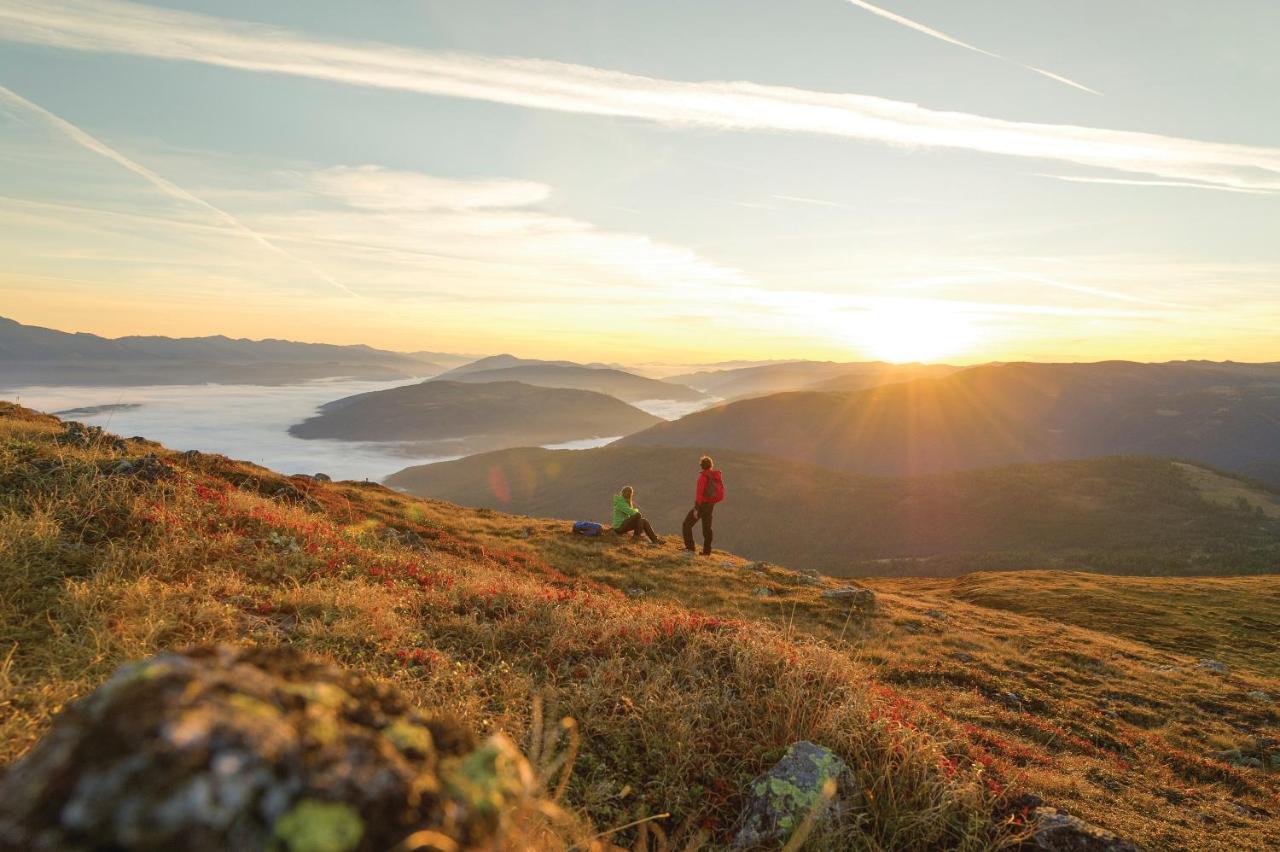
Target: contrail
x,y
91,143
108,26
930,31
1185,184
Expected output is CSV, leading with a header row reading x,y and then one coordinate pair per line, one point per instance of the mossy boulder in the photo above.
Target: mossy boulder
x,y
780,800
249,748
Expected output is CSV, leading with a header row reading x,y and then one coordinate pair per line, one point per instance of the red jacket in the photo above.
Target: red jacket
x,y
710,487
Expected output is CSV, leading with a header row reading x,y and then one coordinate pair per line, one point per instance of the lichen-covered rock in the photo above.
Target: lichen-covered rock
x,y
1057,831
779,800
854,595
148,468
248,748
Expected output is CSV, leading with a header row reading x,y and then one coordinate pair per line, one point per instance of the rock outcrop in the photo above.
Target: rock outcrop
x,y
247,748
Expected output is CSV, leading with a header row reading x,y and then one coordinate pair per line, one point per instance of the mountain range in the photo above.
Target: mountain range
x,y
563,374
764,379
34,355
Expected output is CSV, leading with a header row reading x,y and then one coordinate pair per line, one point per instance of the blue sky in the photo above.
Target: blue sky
x,y
680,181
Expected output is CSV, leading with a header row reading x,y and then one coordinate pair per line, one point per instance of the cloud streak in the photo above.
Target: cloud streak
x,y
133,29
1172,183
96,146
938,34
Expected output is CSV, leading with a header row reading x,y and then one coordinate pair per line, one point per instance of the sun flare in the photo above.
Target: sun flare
x,y
903,332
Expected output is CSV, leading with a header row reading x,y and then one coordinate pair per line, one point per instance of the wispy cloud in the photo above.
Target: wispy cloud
x,y
1182,184
930,31
414,224
91,143
812,202
135,29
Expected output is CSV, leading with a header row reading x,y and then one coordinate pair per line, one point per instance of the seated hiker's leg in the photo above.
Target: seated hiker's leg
x,y
689,520
706,513
647,528
637,524
630,525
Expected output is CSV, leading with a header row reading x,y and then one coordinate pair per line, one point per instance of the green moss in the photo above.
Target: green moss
x,y
407,736
487,778
314,826
253,706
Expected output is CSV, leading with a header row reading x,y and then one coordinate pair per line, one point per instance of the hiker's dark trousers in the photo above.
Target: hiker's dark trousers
x,y
700,512
635,525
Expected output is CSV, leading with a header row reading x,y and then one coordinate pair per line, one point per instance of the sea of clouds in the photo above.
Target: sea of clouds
x,y
251,422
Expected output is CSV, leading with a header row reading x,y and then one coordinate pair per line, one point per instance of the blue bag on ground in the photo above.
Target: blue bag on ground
x,y
587,528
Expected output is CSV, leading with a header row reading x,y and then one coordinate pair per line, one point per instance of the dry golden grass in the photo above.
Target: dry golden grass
x,y
677,708
948,699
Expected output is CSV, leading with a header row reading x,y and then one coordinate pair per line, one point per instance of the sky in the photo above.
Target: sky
x,y
645,181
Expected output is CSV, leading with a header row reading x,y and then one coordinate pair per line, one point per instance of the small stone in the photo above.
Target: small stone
x,y
936,613
963,657
761,592
1259,695
323,477
148,468
861,597
1058,831
758,567
635,592
1213,666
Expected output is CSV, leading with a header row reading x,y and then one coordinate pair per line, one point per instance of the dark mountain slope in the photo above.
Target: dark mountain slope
x,y
1222,414
1120,515
478,416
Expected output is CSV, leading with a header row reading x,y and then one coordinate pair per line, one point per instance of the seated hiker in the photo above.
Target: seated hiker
x,y
627,518
708,492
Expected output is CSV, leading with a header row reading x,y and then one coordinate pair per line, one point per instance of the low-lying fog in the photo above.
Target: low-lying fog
x,y
250,422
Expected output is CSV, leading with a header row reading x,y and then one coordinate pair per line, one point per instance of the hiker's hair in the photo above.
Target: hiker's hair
x,y
706,463
627,491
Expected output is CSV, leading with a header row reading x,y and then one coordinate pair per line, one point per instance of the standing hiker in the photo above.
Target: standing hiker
x,y
709,492
627,518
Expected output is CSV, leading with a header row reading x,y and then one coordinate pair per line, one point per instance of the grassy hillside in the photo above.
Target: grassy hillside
x,y
1231,619
1121,515
471,417
617,383
1227,415
686,678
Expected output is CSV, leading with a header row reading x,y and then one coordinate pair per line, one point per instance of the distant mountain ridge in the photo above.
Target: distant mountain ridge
x,y
457,417
1113,515
564,374
31,354
1224,414
763,379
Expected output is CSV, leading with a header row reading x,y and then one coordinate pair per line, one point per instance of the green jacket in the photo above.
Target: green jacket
x,y
622,511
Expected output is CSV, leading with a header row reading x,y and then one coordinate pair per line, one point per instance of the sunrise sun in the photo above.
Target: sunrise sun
x,y
908,331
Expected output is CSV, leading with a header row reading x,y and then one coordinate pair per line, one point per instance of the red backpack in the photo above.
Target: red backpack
x,y
710,487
